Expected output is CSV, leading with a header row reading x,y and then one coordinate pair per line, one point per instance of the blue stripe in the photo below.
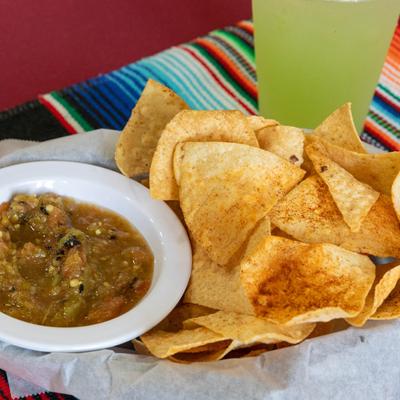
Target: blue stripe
x,y
131,99
127,82
145,73
211,101
204,76
136,73
171,83
83,103
385,109
117,96
113,111
170,76
95,104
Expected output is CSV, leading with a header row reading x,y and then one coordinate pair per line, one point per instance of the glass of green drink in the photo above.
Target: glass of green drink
x,y
312,56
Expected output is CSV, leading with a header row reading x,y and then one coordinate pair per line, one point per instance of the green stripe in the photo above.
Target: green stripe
x,y
388,91
238,44
72,111
222,71
383,124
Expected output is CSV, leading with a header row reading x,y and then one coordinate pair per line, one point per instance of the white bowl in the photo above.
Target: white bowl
x,y
158,224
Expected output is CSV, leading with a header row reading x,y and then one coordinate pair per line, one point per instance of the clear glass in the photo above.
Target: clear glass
x,y
314,55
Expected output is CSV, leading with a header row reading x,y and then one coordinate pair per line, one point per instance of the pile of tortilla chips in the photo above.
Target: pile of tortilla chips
x,y
283,225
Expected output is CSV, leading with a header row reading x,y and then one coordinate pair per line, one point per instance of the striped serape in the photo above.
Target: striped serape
x,y
216,71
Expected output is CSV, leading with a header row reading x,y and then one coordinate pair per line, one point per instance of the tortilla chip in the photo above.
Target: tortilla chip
x,y
390,308
200,126
156,106
284,141
387,277
376,170
216,286
210,352
252,351
173,322
258,122
176,208
326,328
262,229
163,344
247,329
140,348
396,195
278,232
290,282
339,129
332,282
354,199
309,214
225,189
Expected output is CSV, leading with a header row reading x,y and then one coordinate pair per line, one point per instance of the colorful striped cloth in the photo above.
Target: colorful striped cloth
x,y
216,71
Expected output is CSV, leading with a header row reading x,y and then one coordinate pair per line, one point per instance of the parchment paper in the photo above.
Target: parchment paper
x,y
351,364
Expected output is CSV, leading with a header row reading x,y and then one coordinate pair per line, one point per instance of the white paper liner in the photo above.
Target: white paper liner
x,y
351,364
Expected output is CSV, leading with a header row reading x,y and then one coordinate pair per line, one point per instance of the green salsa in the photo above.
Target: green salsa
x,y
65,263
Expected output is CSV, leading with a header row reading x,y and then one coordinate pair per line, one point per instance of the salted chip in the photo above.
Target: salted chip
x,y
209,352
289,282
176,208
173,322
247,329
284,281
169,336
387,277
396,195
377,170
309,214
163,344
278,232
326,328
262,229
339,129
225,189
251,351
199,126
258,122
140,348
353,198
284,141
215,286
390,307
156,106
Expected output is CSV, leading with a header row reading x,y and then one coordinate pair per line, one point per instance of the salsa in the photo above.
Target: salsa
x,y
65,263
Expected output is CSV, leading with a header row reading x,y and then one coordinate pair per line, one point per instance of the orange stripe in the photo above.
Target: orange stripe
x,y
382,137
247,26
391,63
390,78
229,66
394,46
394,51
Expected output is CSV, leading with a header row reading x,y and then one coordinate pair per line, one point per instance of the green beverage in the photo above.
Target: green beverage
x,y
314,55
